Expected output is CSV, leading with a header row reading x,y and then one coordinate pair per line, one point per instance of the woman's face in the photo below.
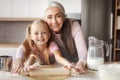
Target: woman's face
x,y
40,34
54,17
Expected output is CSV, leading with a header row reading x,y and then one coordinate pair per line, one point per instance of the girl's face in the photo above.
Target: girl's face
x,y
40,34
54,17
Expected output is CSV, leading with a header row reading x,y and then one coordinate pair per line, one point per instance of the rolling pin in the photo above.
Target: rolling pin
x,y
54,71
50,72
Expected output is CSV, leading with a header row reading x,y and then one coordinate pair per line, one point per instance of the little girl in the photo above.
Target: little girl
x,y
38,49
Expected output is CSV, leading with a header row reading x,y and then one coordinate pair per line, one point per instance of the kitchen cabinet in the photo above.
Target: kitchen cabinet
x,y
69,6
32,8
5,8
116,54
13,31
37,8
28,8
22,8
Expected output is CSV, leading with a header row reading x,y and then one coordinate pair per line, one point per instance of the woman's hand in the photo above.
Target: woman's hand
x,y
69,66
17,66
80,67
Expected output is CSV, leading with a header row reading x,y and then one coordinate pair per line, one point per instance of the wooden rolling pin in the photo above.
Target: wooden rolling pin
x,y
50,71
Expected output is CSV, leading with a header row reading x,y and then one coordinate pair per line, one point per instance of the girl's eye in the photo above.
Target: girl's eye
x,y
36,33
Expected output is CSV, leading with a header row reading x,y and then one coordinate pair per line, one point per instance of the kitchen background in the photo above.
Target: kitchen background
x,y
97,20
13,31
15,15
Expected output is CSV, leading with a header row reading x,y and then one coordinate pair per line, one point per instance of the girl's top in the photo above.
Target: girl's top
x,y
81,53
53,46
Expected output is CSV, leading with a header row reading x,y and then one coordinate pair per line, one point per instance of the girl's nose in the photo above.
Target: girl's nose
x,y
40,35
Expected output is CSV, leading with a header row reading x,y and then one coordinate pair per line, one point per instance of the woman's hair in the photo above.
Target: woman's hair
x,y
66,36
57,4
29,44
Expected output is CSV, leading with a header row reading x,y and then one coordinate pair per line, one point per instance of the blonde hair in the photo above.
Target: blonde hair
x,y
29,44
58,5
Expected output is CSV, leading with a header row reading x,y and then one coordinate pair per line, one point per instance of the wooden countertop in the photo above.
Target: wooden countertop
x,y
17,19
90,75
50,78
2,45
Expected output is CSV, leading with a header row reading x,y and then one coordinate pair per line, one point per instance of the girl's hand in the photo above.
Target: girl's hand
x,y
30,67
27,68
17,66
81,67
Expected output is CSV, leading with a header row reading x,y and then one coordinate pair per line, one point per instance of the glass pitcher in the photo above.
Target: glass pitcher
x,y
95,56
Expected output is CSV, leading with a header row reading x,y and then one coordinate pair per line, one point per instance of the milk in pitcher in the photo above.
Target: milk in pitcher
x,y
94,63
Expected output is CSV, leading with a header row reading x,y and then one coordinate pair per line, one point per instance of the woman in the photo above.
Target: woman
x,y
68,35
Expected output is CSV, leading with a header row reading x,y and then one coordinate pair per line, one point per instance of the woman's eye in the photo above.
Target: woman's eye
x,y
44,32
49,17
59,16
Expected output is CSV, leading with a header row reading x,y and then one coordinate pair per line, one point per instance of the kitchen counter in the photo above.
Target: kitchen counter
x,y
63,73
90,75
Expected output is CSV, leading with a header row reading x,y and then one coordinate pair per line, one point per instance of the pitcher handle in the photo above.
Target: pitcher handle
x,y
107,48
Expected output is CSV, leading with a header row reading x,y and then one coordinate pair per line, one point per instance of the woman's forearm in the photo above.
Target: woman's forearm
x,y
63,61
60,59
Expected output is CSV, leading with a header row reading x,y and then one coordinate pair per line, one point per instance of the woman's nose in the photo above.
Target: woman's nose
x,y
54,20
